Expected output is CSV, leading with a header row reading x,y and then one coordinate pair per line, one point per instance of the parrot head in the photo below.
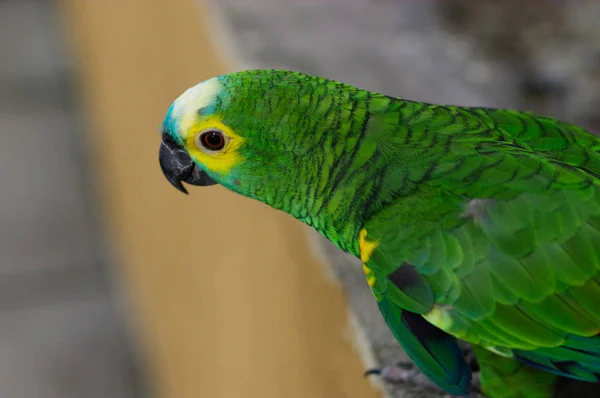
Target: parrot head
x,y
197,147
235,130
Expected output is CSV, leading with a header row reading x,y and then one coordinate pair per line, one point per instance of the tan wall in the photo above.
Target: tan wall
x,y
229,302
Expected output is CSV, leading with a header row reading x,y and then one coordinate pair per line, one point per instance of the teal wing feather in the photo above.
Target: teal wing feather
x,y
435,352
504,235
402,295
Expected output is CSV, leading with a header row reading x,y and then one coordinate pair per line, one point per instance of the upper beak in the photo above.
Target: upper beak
x,y
178,166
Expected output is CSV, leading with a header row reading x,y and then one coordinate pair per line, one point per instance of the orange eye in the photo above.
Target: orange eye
x,y
213,140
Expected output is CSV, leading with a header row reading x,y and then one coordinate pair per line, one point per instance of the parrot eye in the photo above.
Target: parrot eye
x,y
213,140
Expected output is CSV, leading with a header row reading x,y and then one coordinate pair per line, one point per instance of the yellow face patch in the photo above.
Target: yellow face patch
x,y
222,161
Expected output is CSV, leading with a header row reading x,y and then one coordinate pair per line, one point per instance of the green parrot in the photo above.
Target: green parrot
x,y
475,224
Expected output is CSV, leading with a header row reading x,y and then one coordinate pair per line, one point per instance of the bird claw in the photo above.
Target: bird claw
x,y
402,373
394,374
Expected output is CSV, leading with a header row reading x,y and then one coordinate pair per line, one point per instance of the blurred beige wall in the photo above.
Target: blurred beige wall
x,y
229,302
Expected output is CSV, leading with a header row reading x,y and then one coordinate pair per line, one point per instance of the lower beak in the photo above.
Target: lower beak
x,y
179,167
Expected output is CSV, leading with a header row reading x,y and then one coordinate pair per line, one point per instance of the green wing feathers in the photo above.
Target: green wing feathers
x,y
555,139
400,293
435,352
503,377
503,238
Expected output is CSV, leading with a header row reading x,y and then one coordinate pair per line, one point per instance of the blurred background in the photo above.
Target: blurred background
x,y
113,284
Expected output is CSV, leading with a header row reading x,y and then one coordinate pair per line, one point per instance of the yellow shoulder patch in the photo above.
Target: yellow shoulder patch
x,y
366,248
220,162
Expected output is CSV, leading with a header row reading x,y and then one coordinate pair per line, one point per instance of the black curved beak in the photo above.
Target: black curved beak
x,y
179,167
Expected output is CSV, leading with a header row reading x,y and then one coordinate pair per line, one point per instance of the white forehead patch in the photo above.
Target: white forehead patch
x,y
194,98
